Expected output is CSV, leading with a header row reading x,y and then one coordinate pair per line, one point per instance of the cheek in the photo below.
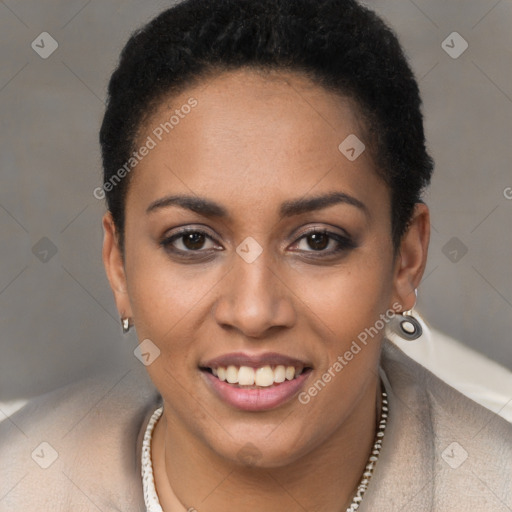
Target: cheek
x,y
167,303
165,296
345,310
349,298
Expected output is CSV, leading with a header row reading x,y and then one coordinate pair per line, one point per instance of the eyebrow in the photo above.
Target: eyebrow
x,y
309,204
290,208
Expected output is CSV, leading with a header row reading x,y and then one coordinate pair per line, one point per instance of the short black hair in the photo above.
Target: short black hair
x,y
339,44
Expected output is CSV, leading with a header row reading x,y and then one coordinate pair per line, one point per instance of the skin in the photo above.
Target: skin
x,y
253,142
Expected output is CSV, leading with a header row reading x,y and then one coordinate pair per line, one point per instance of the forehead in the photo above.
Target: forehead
x,y
257,135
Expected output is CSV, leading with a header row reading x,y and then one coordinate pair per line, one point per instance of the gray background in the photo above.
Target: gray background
x,y
58,319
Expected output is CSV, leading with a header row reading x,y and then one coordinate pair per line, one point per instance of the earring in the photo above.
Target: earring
x,y
125,323
409,326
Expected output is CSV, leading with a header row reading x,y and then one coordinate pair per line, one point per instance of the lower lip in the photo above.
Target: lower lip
x,y
260,399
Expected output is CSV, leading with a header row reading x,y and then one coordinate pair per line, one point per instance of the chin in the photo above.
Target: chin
x,y
256,448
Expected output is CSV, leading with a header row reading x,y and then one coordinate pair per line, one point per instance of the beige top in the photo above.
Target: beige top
x,y
78,448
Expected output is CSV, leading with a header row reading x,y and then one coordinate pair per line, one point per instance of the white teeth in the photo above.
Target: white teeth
x,y
279,374
264,376
246,376
232,374
221,373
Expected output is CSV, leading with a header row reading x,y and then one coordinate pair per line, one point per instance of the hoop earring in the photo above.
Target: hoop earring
x,y
125,323
409,326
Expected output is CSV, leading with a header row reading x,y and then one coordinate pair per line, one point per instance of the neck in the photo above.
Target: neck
x,y
188,475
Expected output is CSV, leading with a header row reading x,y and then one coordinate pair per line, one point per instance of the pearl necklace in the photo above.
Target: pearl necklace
x,y
148,481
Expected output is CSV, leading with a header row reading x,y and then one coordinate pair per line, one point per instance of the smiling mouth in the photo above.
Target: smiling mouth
x,y
247,377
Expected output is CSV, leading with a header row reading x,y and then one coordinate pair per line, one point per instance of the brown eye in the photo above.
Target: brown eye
x,y
189,241
323,242
193,241
318,241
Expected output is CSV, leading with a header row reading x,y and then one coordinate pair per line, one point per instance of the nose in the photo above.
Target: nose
x,y
254,299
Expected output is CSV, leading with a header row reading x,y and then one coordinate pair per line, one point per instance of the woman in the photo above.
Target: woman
x,y
264,163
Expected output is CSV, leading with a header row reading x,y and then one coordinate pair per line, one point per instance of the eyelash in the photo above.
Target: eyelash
x,y
345,243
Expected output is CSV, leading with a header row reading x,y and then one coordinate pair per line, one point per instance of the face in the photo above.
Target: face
x,y
257,252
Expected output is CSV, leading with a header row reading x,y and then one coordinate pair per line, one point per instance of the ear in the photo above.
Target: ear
x,y
412,258
114,266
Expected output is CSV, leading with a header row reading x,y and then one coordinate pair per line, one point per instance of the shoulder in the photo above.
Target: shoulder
x,y
448,407
75,448
464,448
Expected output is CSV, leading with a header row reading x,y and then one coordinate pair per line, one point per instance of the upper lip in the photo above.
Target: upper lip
x,y
254,360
